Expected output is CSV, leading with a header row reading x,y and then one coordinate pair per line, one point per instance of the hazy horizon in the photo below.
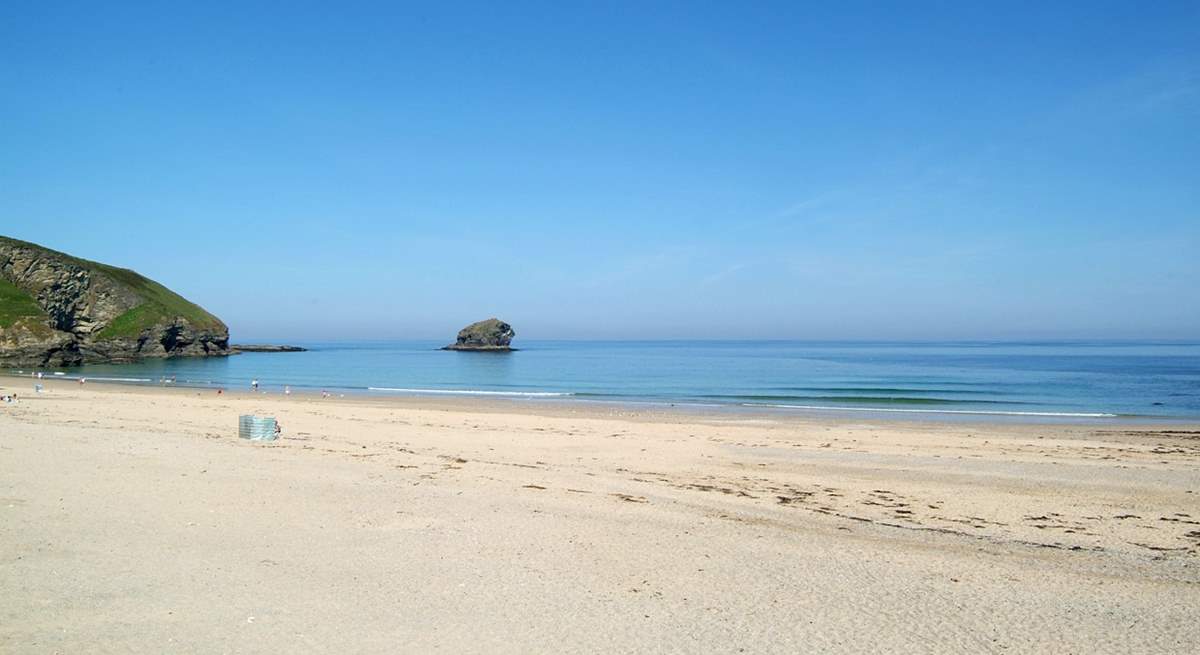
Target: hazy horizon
x,y
1011,341
768,172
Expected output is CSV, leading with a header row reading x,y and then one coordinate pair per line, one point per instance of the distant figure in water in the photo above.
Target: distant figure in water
x,y
254,384
81,381
287,391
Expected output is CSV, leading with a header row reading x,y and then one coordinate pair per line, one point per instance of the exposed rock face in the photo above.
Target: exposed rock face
x,y
490,335
61,310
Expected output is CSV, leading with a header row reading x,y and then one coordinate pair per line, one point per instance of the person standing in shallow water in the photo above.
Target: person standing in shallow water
x,y
254,384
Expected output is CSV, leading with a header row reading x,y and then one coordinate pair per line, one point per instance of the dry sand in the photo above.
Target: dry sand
x,y
134,520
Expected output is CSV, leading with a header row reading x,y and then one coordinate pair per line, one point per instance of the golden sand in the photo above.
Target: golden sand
x,y
134,520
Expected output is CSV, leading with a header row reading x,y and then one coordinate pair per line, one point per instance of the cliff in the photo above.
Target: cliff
x,y
56,309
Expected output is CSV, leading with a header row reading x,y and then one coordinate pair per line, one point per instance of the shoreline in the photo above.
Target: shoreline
x,y
549,400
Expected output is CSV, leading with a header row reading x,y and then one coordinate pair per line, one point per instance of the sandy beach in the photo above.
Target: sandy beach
x,y
134,520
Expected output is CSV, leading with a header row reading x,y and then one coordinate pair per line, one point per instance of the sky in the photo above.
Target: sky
x,y
621,170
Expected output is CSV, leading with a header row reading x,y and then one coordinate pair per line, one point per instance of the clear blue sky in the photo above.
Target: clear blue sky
x,y
640,170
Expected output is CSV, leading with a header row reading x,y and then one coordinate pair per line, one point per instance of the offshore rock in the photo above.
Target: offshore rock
x,y
57,310
264,348
492,335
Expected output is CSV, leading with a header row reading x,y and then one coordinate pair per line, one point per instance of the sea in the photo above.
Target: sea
x,y
1090,380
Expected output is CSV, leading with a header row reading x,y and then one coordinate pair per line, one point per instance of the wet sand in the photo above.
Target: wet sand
x,y
133,520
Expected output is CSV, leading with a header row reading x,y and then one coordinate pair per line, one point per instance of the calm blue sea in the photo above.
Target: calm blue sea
x,y
1092,379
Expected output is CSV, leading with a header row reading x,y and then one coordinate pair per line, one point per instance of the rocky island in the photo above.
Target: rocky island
x,y
492,335
57,310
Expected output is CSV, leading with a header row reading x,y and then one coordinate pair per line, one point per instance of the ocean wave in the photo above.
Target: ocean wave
x,y
888,390
96,378
476,392
890,400
985,412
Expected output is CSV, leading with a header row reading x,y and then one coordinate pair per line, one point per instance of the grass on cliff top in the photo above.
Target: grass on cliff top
x,y
18,306
159,303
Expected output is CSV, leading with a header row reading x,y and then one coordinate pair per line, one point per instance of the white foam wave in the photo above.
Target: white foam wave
x,y
936,411
90,378
475,392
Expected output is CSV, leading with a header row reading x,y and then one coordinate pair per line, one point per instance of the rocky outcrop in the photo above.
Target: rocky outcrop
x,y
56,309
264,348
491,335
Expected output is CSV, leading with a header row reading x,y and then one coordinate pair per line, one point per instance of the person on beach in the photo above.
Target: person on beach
x,y
287,390
254,384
